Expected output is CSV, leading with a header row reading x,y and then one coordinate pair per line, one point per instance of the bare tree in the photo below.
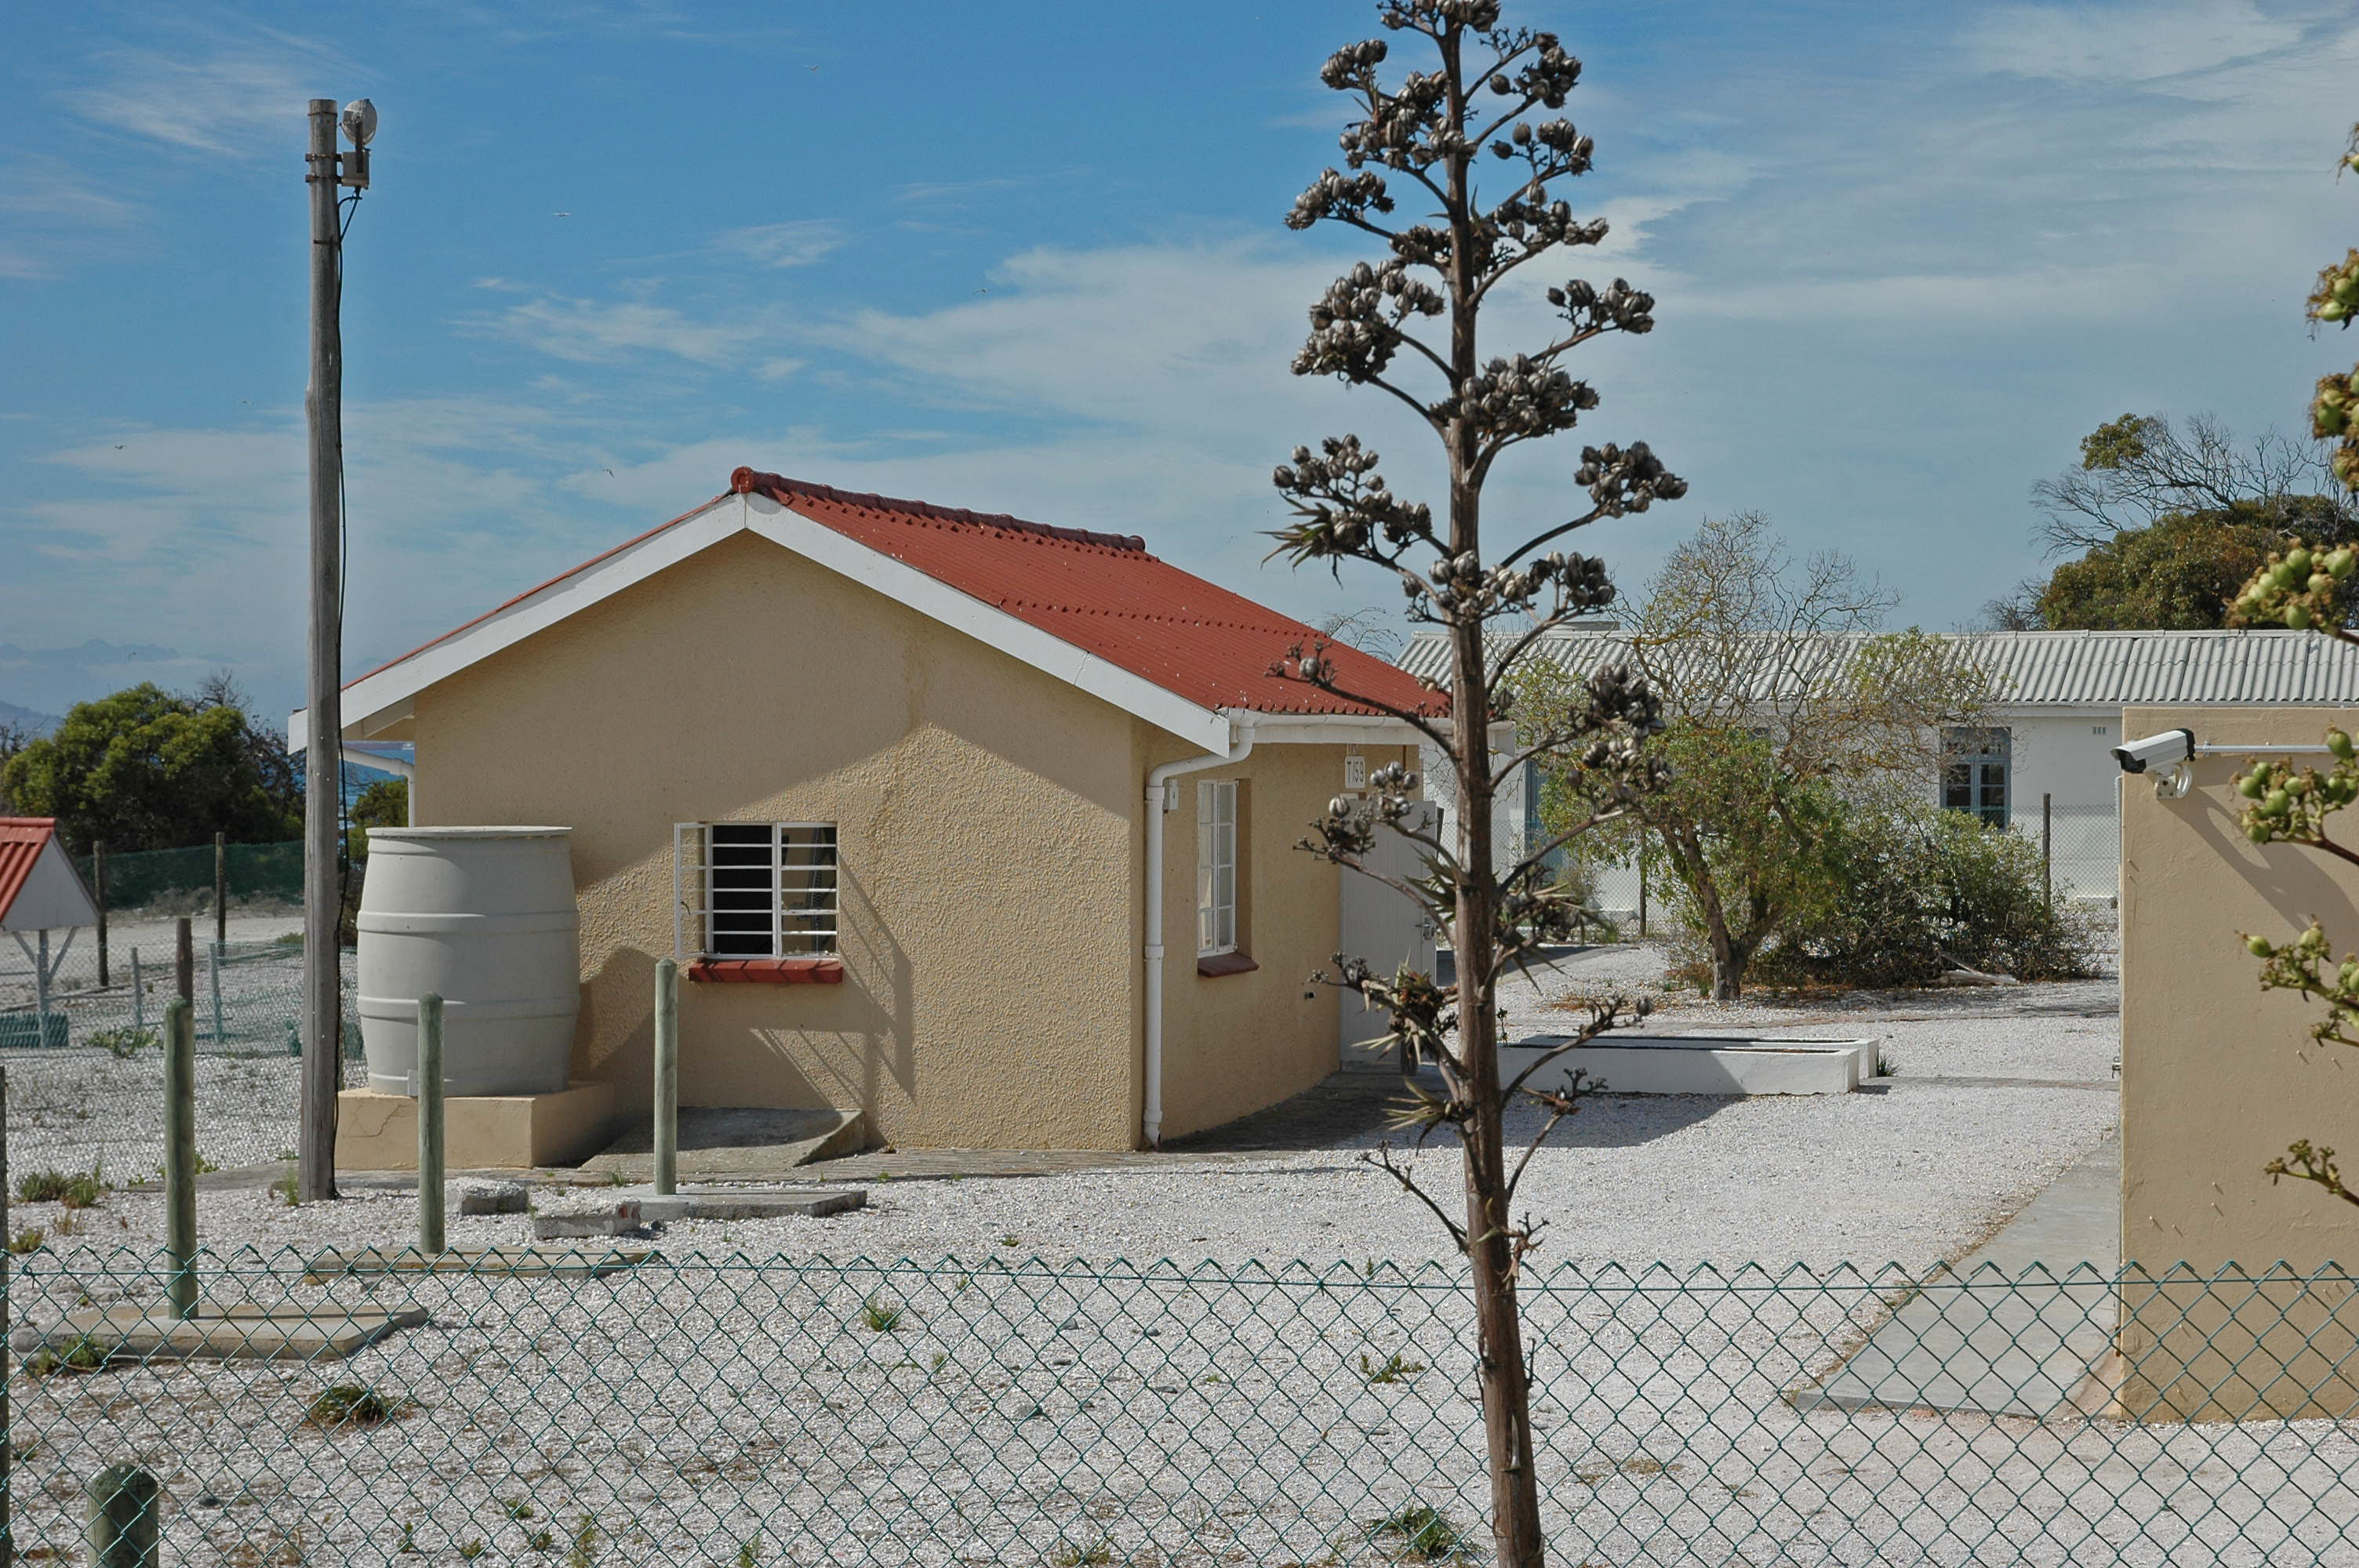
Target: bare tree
x,y
2136,469
1777,689
1370,629
1483,89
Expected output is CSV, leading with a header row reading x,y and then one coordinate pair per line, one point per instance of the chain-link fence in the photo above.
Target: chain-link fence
x,y
707,1410
248,996
153,878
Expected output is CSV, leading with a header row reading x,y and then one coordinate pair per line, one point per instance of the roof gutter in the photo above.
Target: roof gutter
x,y
1241,746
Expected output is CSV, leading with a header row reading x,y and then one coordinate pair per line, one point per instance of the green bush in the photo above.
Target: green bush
x,y
1907,891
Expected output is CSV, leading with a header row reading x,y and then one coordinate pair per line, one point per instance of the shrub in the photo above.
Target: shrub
x,y
76,1189
126,1042
1910,891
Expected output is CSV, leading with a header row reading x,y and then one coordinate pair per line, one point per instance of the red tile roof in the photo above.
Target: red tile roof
x,y
1099,592
1104,594
21,841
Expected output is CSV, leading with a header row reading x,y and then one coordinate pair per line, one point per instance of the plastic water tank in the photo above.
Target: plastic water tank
x,y
484,917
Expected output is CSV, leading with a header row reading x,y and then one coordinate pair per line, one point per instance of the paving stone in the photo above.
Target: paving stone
x,y
487,1197
550,1262
585,1217
751,1203
243,1332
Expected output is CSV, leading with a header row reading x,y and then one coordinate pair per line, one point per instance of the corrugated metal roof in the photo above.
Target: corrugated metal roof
x,y
22,838
2066,669
1104,593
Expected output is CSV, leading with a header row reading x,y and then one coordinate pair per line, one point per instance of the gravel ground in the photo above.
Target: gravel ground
x,y
1040,1412
689,1410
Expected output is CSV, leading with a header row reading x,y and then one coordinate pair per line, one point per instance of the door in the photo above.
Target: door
x,y
1383,927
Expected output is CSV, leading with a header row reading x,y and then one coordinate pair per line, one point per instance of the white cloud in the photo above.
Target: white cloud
x,y
798,243
239,92
2141,42
588,333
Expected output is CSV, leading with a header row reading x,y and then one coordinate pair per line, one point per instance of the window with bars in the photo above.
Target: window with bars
x,y
1975,765
1216,868
753,890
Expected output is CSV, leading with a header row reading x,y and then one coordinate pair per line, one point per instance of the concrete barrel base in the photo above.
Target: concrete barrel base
x,y
378,1131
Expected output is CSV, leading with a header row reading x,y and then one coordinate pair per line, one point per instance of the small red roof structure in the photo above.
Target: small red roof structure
x,y
39,889
1146,632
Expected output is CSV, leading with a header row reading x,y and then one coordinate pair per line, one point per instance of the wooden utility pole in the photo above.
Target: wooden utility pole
x,y
324,720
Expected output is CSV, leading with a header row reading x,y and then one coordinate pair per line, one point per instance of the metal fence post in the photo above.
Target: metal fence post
x,y
125,1513
213,979
98,897
138,993
667,1106
41,988
2046,850
429,1125
180,1155
184,959
1642,895
221,887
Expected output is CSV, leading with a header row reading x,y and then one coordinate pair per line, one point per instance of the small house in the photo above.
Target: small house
x,y
983,829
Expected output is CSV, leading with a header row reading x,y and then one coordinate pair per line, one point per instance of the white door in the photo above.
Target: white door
x,y
1382,926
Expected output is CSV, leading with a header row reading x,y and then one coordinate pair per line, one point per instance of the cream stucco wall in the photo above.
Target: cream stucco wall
x,y
1233,1044
2218,1076
987,825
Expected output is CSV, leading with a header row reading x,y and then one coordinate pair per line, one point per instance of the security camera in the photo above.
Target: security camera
x,y
2172,746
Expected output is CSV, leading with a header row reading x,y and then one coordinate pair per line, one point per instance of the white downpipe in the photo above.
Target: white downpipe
x,y
1241,745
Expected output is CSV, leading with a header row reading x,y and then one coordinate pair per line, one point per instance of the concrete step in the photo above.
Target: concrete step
x,y
722,1143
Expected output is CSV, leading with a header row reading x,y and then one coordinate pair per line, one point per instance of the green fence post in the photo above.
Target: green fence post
x,y
430,1124
667,1108
181,1155
125,1513
213,975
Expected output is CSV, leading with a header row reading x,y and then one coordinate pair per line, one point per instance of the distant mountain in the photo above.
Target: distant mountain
x,y
37,722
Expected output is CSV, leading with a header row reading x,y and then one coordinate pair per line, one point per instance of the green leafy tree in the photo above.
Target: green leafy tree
x,y
1482,97
2175,574
385,803
145,769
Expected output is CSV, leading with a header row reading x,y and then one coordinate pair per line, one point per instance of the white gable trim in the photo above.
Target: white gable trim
x,y
377,700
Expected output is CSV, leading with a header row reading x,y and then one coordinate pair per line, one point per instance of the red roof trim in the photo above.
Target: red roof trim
x,y
22,839
779,488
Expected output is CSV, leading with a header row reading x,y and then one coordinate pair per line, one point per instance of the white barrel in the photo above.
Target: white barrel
x,y
483,917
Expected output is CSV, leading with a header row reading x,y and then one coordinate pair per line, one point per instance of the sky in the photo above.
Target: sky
x,y
1030,259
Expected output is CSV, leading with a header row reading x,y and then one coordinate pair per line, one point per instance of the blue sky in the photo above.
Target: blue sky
x,y
1030,258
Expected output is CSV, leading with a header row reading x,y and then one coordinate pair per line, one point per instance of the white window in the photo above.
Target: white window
x,y
1216,868
1975,779
753,890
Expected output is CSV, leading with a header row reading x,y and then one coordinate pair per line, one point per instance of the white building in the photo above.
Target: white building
x,y
2044,764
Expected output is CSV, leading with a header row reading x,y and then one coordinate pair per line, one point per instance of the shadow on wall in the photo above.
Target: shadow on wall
x,y
875,1037
2296,885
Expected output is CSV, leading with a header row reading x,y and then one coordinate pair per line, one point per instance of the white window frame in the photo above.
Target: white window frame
x,y
1216,868
1979,749
806,881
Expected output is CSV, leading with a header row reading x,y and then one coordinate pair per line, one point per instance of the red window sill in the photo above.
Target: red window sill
x,y
1225,964
824,970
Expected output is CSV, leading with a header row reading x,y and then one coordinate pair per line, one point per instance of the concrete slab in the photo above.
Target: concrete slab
x,y
1631,1063
243,1332
1993,1334
522,1262
624,1210
719,1141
